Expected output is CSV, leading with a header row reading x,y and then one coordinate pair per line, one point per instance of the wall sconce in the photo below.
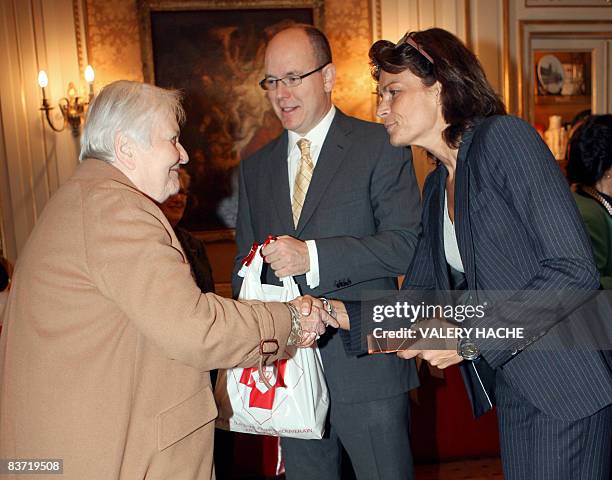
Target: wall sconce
x,y
73,106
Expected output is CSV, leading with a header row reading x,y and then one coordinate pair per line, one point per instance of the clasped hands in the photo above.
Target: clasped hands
x,y
313,320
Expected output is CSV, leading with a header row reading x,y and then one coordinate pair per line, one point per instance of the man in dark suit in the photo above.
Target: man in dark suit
x,y
345,206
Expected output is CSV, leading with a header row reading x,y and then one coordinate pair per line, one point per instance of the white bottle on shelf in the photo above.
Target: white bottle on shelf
x,y
556,137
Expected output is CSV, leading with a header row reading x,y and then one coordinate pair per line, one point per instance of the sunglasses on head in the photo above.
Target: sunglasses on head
x,y
410,41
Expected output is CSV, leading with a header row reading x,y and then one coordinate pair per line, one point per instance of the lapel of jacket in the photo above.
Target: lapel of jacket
x,y
436,213
279,184
333,151
463,224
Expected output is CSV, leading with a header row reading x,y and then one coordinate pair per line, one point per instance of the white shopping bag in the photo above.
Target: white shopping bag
x,y
296,405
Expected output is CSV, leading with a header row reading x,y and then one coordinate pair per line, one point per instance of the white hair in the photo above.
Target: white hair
x,y
127,107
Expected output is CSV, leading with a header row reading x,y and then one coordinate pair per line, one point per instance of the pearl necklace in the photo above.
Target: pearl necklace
x,y
598,197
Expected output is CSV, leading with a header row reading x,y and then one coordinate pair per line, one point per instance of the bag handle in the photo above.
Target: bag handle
x,y
246,261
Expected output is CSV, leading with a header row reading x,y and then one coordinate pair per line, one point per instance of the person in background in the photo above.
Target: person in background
x,y
589,169
578,120
174,208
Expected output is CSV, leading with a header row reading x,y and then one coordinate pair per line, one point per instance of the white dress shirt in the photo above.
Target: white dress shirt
x,y
451,247
316,136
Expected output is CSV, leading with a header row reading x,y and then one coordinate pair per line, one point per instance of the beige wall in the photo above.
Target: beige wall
x,y
474,21
34,35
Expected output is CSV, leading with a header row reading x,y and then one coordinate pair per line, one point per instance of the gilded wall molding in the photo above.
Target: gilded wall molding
x,y
555,28
506,54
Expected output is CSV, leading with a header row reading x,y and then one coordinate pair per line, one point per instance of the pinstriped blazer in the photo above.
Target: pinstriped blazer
x,y
517,228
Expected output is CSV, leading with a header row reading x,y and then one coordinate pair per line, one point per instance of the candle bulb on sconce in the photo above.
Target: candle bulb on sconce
x,y
43,81
72,93
72,106
89,78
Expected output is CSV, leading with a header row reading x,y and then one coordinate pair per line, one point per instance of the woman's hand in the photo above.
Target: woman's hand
x,y
436,358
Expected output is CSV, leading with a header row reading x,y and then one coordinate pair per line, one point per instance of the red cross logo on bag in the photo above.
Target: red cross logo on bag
x,y
264,399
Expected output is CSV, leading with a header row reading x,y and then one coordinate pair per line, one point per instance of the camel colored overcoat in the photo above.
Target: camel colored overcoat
x,y
107,341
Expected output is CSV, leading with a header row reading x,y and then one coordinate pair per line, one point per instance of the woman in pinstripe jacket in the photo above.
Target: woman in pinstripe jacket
x,y
497,215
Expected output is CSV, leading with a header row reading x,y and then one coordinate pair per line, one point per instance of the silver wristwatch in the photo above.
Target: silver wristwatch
x,y
467,349
329,308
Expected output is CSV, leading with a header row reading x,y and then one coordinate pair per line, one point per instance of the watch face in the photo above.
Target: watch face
x,y
469,351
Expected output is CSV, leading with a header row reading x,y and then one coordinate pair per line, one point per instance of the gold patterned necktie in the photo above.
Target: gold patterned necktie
x,y
302,179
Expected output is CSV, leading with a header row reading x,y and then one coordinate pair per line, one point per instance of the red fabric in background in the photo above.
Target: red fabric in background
x,y
255,455
443,426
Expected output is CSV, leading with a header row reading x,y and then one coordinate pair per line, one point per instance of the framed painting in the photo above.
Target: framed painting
x,y
213,51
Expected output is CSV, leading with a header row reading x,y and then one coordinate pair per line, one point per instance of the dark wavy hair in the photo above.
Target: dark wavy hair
x,y
440,56
590,151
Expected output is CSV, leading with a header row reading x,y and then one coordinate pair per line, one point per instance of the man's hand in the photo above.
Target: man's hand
x,y
437,358
287,256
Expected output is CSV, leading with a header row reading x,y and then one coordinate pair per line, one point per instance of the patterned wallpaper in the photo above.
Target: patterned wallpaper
x,y
349,29
113,41
113,44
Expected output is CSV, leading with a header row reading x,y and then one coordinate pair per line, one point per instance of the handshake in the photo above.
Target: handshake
x,y
310,317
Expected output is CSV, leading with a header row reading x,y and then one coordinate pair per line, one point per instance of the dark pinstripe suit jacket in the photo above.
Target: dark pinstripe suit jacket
x,y
518,228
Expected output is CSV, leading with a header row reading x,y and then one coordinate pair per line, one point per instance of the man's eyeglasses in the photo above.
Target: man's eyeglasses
x,y
270,83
